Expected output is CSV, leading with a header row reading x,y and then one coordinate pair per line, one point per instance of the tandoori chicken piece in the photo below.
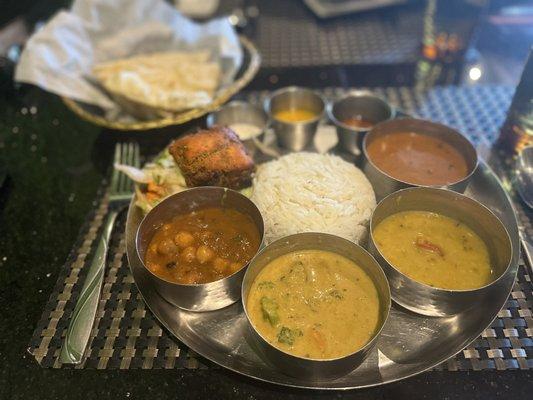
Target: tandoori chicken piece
x,y
213,157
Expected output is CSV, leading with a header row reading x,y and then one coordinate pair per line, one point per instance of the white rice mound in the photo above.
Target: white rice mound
x,y
311,192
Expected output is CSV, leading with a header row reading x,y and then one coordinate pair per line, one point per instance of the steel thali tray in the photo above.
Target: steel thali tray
x,y
409,344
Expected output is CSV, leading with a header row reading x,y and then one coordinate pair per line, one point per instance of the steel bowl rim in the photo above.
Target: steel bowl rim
x,y
463,198
439,125
291,89
367,345
241,103
170,198
358,93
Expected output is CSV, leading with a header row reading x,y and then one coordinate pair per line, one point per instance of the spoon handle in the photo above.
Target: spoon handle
x,y
83,316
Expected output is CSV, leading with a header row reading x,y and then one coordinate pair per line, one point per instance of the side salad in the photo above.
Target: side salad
x,y
157,180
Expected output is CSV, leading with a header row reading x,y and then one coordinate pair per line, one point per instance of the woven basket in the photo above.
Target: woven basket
x,y
94,114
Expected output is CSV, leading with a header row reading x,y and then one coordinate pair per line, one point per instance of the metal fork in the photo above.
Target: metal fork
x,y
82,320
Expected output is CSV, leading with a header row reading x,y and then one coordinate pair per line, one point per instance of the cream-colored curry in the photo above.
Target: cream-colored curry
x,y
434,249
315,304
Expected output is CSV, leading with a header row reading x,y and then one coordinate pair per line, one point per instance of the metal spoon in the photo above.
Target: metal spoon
x,y
524,185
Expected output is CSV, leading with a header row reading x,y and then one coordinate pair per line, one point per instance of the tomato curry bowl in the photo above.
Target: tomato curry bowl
x,y
413,152
196,244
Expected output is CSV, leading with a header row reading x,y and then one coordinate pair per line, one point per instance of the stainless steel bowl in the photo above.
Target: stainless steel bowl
x,y
316,369
295,136
385,184
240,112
431,301
357,103
206,296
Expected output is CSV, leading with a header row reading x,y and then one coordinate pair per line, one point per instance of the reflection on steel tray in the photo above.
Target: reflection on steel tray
x,y
409,343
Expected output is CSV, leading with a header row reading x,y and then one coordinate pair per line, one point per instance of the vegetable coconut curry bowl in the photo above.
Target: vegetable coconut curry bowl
x,y
443,252
196,244
316,304
413,152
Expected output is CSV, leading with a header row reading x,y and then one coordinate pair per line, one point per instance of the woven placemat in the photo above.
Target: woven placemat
x,y
126,335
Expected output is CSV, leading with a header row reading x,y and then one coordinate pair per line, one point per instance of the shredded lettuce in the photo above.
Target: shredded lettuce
x,y
158,179
135,174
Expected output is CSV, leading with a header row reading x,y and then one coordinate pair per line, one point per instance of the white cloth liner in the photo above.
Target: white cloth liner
x,y
60,56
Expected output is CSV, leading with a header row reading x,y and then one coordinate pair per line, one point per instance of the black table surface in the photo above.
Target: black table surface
x,y
55,163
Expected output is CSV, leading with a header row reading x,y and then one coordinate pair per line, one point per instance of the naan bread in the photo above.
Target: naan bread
x,y
171,81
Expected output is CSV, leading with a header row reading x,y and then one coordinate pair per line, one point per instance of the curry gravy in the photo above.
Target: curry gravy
x,y
417,159
202,246
314,304
295,115
434,249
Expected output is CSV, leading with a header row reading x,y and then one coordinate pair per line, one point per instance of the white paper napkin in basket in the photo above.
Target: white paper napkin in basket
x,y
60,56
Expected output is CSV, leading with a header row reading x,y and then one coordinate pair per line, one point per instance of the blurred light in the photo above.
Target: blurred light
x,y
474,73
13,53
233,19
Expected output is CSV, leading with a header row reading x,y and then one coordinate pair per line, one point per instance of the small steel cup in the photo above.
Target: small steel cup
x,y
308,368
385,184
205,296
240,112
363,103
295,136
428,300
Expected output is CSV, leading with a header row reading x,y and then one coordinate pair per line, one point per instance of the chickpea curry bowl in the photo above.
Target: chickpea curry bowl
x,y
196,244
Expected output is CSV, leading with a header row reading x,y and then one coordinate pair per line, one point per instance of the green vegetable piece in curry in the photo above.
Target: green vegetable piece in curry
x,y
270,310
265,285
288,336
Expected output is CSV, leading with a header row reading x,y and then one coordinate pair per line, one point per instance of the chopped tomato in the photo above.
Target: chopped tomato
x,y
154,188
319,339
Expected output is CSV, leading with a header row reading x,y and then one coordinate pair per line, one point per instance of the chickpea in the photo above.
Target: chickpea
x,y
220,264
204,254
166,247
188,254
235,266
183,239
